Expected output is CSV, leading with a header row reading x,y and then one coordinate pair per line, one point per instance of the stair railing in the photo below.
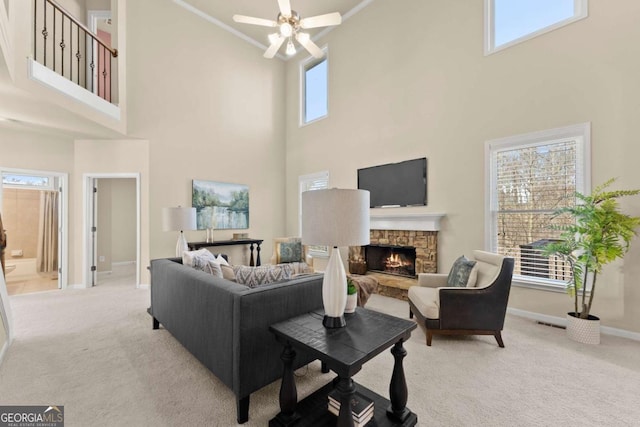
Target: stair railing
x,y
66,46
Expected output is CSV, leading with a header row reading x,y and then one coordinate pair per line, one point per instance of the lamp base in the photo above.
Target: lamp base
x,y
333,322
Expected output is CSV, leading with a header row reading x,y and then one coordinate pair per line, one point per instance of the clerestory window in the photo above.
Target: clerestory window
x,y
509,22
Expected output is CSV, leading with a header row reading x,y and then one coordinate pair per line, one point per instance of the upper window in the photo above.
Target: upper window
x,y
529,177
314,105
508,22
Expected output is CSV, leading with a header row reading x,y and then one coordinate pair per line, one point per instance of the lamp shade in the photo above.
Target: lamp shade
x,y
178,219
335,217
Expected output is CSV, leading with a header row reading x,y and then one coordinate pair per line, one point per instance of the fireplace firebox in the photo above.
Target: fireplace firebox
x,y
397,260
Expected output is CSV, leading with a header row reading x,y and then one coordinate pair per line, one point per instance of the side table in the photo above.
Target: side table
x,y
344,351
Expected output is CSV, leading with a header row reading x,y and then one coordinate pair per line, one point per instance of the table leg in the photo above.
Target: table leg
x,y
251,263
288,392
398,392
346,389
258,255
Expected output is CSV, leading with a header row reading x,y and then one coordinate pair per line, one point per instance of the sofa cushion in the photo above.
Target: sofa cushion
x,y
461,274
256,276
227,272
426,301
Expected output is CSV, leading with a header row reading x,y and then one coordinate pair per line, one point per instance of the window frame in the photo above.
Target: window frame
x,y
305,65
581,8
582,133
303,185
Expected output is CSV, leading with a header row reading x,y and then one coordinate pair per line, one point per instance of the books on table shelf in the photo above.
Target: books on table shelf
x,y
361,407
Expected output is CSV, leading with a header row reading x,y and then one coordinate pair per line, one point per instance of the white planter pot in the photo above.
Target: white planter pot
x,y
352,302
586,331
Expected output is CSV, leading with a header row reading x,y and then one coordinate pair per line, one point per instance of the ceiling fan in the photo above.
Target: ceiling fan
x,y
289,26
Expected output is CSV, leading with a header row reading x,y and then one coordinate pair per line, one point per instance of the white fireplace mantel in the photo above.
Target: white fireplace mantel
x,y
408,222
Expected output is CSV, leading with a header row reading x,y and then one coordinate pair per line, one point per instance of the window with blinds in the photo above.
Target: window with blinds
x,y
314,181
532,176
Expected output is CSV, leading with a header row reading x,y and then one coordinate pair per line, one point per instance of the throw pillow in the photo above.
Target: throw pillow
x,y
227,272
256,276
207,265
461,273
220,260
187,256
290,252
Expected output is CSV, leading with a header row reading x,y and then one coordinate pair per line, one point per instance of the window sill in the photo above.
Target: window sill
x,y
539,284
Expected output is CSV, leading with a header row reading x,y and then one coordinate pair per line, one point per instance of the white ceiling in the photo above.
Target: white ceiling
x,y
222,11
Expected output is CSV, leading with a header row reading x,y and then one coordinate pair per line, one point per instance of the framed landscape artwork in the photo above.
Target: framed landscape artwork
x,y
220,205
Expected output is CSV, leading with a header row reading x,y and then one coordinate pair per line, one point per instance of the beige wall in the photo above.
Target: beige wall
x,y
105,159
212,108
419,85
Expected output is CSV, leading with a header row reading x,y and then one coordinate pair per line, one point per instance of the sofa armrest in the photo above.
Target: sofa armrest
x,y
432,280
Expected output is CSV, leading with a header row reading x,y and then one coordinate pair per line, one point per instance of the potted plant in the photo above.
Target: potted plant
x,y
598,235
352,296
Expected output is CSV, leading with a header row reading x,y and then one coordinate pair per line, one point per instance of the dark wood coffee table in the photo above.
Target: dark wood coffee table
x,y
344,351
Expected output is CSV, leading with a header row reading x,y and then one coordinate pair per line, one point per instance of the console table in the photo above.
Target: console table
x,y
344,351
197,245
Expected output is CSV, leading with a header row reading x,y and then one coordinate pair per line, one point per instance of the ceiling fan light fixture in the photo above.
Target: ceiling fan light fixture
x,y
303,37
286,29
291,50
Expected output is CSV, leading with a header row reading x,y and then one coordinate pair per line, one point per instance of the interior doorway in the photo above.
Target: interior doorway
x,y
34,205
112,229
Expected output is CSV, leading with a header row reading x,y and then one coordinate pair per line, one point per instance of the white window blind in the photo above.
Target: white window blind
x,y
314,181
530,179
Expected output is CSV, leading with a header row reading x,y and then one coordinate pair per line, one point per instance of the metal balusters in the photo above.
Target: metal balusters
x,y
94,53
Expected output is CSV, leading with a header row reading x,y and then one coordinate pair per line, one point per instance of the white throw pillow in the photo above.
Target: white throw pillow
x,y
220,260
187,256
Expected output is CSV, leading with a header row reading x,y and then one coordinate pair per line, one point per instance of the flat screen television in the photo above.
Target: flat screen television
x,y
396,184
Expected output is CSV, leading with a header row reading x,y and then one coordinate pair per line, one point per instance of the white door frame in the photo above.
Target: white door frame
x,y
63,218
87,190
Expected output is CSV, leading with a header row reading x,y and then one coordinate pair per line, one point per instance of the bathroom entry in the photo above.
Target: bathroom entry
x,y
32,212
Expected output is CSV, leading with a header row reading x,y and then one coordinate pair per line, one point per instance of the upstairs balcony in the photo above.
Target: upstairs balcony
x,y
66,60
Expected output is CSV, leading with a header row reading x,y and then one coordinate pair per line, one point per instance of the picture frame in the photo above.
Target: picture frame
x,y
220,205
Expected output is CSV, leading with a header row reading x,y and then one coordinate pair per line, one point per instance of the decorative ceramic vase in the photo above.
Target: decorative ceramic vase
x,y
352,301
586,331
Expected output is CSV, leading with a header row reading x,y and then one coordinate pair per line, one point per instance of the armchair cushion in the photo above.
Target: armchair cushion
x,y
463,273
425,300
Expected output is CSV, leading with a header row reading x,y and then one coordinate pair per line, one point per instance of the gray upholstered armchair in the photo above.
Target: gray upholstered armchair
x,y
476,310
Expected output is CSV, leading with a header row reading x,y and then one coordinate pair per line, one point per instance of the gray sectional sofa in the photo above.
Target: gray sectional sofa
x,y
225,325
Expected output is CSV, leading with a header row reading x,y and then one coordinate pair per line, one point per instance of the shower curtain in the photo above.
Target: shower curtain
x,y
47,260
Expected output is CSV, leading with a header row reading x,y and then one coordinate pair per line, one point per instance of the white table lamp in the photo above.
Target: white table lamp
x,y
179,219
335,217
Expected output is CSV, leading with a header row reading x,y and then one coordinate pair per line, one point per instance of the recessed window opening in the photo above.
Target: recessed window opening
x,y
509,22
314,102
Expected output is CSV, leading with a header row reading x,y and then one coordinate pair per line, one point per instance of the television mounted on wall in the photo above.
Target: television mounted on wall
x,y
396,184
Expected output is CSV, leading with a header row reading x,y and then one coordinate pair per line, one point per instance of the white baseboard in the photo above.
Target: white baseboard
x,y
560,321
123,263
144,286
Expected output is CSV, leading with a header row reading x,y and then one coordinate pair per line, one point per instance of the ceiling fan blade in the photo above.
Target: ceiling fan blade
x,y
321,20
311,47
285,7
273,49
254,21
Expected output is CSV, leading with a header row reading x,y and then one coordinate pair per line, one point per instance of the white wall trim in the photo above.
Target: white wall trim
x,y
554,320
6,46
144,286
419,222
53,80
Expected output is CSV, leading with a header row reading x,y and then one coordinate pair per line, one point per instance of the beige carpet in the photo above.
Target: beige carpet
x,y
94,352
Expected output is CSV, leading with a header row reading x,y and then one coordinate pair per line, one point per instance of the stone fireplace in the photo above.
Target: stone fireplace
x,y
401,247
